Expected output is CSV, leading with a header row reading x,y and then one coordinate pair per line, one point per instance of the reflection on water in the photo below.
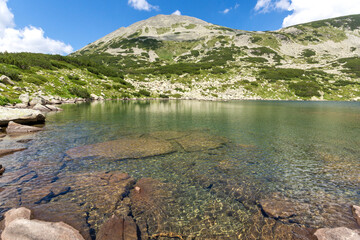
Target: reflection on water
x,y
304,152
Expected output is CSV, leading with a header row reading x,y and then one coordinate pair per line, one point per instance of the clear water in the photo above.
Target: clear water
x,y
305,152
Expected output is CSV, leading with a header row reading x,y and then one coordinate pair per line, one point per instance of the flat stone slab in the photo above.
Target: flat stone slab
x,y
340,233
125,148
118,228
22,116
278,209
18,128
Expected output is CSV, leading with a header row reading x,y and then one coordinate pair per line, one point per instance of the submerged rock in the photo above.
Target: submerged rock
x,y
2,170
118,228
22,116
4,152
125,148
278,209
18,128
340,233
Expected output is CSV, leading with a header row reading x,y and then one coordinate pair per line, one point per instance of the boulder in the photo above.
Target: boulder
x,y
340,233
199,141
55,101
94,97
37,100
118,228
6,80
21,105
25,98
18,128
41,108
22,116
356,213
16,213
4,152
26,229
125,148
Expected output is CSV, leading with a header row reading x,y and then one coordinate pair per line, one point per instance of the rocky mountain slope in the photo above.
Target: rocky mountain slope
x,y
184,57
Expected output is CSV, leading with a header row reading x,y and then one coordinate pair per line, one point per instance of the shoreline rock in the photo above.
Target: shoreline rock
x,y
356,213
340,233
18,225
4,152
14,128
22,116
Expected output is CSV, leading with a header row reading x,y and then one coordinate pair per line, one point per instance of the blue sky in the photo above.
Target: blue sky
x,y
75,23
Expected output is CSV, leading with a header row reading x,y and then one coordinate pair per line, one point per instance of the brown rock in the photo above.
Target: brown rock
x,y
18,128
118,228
4,152
356,213
2,135
278,209
16,213
340,233
2,170
132,147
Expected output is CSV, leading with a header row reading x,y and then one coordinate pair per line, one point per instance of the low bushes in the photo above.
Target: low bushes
x,y
79,92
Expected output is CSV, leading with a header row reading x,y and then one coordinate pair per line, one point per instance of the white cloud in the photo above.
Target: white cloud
x,y
227,10
177,12
142,5
309,10
29,39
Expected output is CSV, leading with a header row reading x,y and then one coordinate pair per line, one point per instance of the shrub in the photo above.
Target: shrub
x,y
254,59
11,73
36,79
305,89
79,92
282,73
308,53
144,92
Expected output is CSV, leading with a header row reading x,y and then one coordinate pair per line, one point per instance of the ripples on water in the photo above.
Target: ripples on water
x,y
303,151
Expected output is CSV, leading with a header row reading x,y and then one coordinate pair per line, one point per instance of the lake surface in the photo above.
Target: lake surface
x,y
306,153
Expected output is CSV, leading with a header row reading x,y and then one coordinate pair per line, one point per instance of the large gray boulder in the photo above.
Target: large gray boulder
x,y
340,233
6,80
26,229
22,116
18,128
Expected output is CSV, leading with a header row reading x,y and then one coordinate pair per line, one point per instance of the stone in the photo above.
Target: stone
x,y
21,105
39,230
16,213
118,228
22,116
25,98
340,233
53,108
356,213
4,152
277,208
125,148
41,108
37,100
6,80
94,97
55,101
18,128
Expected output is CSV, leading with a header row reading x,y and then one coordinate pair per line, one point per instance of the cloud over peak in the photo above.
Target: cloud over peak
x,y
29,39
309,10
177,12
142,5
